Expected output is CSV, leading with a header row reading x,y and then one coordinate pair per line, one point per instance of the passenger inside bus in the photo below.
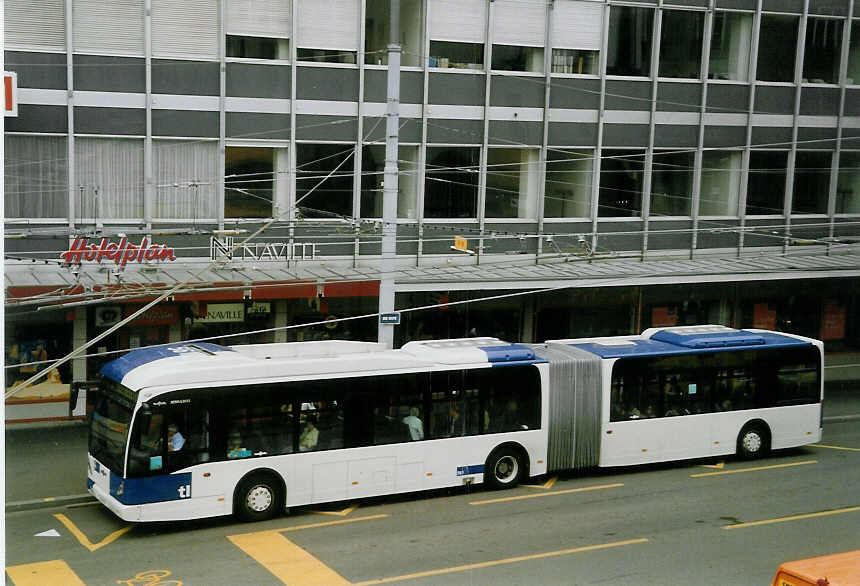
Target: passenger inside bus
x,y
234,446
415,425
175,441
309,436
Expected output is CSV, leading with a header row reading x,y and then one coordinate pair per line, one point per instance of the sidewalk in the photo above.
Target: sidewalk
x,y
49,460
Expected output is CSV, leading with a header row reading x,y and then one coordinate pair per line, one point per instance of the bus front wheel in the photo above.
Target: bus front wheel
x,y
504,468
258,498
753,441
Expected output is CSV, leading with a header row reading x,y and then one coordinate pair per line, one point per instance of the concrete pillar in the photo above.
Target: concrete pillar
x,y
79,338
175,332
279,308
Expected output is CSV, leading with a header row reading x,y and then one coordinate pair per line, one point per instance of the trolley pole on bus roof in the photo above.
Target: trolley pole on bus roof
x,y
390,186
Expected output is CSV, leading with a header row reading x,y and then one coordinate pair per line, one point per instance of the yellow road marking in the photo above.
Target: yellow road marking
x,y
545,486
718,466
834,447
342,513
40,573
287,561
513,560
755,469
83,538
323,524
553,493
793,518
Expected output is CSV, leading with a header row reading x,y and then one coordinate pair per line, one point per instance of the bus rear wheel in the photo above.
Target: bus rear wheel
x,y
753,441
258,498
504,468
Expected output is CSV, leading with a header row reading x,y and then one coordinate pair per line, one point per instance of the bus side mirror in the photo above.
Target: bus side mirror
x,y
82,398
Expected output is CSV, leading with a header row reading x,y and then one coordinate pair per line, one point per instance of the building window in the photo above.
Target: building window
x,y
372,180
671,184
730,46
376,33
580,61
257,47
766,183
184,178
823,48
811,182
35,178
324,180
567,193
777,47
681,44
721,183
451,182
109,173
848,186
631,30
621,183
512,183
513,58
248,182
326,56
327,32
854,54
446,54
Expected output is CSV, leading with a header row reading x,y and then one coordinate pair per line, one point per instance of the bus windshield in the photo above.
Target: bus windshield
x,y
109,426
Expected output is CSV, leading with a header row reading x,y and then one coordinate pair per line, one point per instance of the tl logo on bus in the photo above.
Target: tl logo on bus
x,y
184,491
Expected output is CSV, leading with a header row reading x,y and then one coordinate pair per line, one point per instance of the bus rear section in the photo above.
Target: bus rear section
x,y
692,392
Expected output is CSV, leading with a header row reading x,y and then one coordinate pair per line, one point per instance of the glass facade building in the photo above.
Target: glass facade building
x,y
594,130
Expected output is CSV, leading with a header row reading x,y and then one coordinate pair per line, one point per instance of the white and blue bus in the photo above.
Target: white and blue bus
x,y
196,430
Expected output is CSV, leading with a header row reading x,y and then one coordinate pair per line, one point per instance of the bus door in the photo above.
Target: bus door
x,y
168,438
686,432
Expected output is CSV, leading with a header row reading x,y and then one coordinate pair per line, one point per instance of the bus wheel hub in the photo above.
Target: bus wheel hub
x,y
259,498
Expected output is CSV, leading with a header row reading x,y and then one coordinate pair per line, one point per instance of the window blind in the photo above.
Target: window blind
x,y
577,24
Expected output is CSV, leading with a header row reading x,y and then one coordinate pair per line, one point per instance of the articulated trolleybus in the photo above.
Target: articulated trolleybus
x,y
196,430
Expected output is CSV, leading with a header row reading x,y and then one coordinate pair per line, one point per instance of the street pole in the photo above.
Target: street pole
x,y
390,188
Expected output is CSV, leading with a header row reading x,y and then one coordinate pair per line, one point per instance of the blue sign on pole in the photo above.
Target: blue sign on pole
x,y
390,318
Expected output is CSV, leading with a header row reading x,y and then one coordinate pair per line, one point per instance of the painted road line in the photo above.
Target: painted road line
x,y
490,564
546,486
542,494
755,469
834,447
792,518
342,513
84,540
41,573
288,562
330,523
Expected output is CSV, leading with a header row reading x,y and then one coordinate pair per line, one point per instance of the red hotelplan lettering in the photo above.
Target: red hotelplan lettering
x,y
121,253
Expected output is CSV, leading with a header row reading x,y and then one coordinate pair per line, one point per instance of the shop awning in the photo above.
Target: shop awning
x,y
39,283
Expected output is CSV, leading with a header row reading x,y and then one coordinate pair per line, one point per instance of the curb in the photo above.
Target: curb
x,y
49,502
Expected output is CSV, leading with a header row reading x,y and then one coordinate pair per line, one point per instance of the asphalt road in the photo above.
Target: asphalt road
x,y
688,523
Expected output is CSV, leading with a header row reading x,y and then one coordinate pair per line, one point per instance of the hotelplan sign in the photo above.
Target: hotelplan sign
x,y
227,249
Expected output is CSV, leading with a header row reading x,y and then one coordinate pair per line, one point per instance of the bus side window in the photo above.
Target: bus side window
x,y
190,422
